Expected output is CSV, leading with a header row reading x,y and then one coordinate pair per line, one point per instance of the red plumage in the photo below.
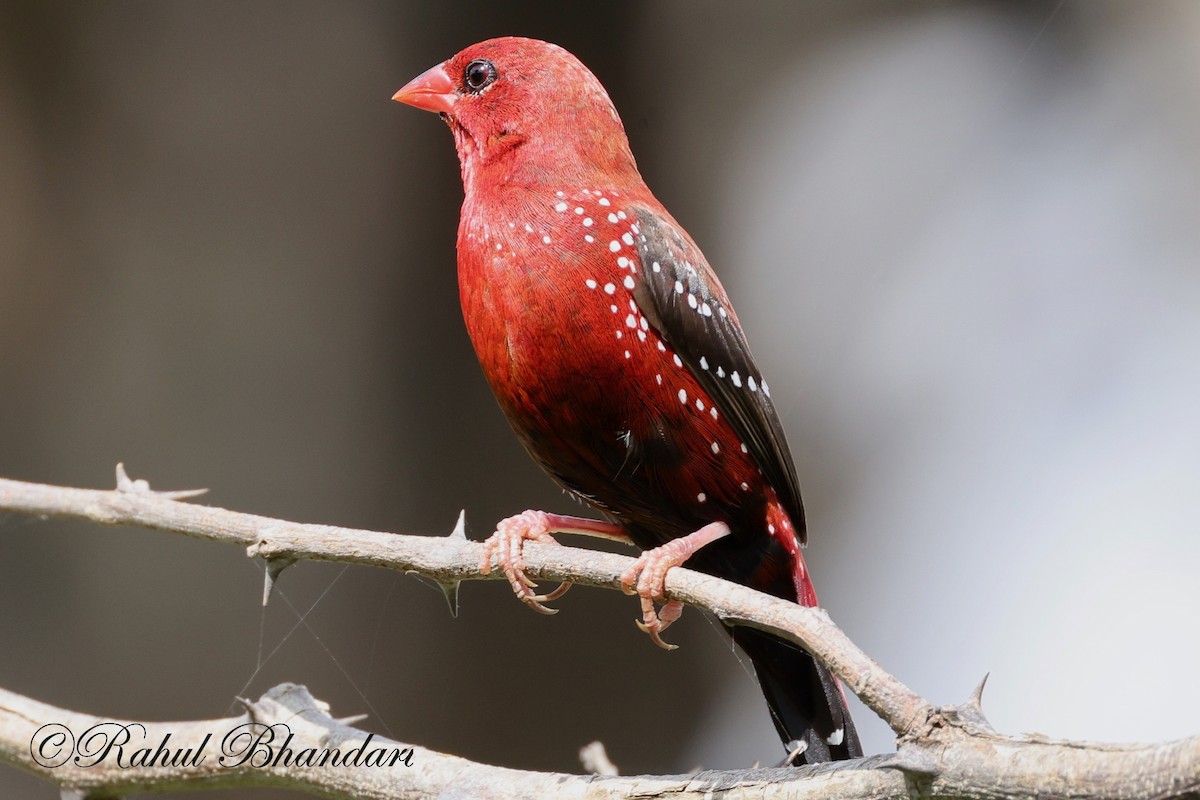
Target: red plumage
x,y
616,356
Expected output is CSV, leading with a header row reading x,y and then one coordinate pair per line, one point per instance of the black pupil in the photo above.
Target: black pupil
x,y
479,74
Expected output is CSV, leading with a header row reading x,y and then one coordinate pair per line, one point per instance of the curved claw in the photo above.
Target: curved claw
x,y
654,634
653,623
506,544
552,596
534,602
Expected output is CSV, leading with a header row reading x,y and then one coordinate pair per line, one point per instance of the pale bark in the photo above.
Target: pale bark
x,y
941,751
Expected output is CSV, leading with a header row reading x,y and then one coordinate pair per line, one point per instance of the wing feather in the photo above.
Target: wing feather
x,y
680,296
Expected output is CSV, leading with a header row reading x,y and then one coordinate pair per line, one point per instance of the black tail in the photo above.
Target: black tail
x,y
806,702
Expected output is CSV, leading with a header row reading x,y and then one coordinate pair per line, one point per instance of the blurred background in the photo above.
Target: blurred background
x,y
963,239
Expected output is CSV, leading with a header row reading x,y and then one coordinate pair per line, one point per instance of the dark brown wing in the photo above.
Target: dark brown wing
x,y
681,297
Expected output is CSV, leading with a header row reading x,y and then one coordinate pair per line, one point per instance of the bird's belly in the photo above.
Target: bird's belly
x,y
610,412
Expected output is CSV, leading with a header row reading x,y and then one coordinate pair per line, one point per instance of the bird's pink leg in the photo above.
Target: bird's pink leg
x,y
650,572
507,543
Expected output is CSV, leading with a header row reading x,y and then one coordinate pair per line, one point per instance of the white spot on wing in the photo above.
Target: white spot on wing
x,y
591,284
683,395
628,282
610,288
614,245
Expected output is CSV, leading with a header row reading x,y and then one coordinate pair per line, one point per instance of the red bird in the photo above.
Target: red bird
x,y
616,355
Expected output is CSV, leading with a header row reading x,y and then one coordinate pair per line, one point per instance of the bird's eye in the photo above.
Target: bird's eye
x,y
478,75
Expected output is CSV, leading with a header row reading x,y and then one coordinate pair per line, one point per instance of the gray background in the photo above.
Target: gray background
x,y
963,240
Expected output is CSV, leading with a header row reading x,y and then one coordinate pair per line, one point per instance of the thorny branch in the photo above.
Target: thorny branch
x,y
941,751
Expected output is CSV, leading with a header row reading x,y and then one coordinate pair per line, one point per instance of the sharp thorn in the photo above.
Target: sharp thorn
x,y
275,566
460,527
972,710
595,760
977,695
450,592
248,707
352,720
142,486
123,482
182,494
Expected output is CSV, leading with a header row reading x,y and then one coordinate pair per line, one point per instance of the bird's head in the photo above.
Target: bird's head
x,y
523,110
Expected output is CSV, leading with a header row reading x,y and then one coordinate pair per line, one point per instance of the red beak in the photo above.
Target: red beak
x,y
432,90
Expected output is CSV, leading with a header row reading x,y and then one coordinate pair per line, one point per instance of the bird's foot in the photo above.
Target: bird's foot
x,y
649,573
654,622
507,545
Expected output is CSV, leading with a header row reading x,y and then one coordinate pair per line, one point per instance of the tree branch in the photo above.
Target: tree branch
x,y
453,558
430,775
947,751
